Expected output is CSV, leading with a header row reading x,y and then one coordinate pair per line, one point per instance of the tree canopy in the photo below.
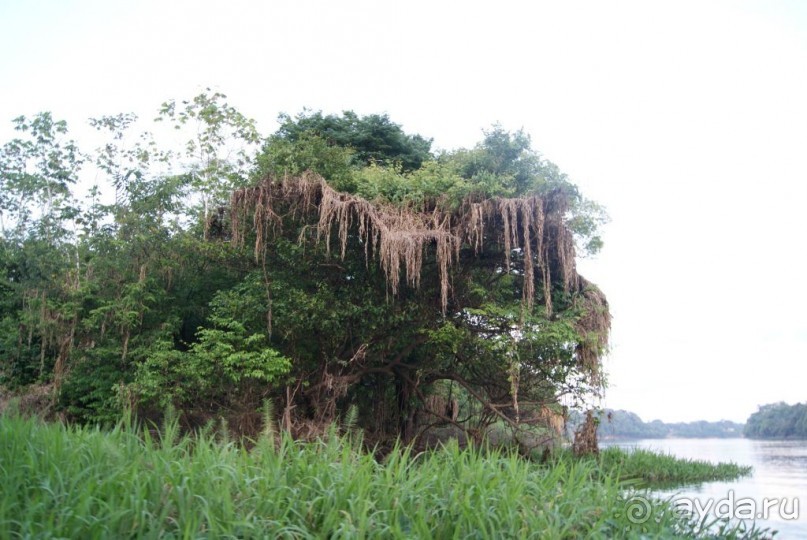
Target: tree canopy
x,y
351,268
371,139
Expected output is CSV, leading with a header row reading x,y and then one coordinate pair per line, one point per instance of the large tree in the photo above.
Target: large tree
x,y
350,268
458,277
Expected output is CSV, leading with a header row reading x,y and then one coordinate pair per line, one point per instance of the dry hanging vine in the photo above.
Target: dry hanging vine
x,y
398,237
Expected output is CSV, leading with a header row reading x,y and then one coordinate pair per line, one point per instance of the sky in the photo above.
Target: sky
x,y
686,119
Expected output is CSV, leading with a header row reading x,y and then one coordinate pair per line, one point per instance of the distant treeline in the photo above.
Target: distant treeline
x,y
619,424
778,421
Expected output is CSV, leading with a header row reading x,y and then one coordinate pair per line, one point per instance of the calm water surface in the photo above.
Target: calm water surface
x,y
780,472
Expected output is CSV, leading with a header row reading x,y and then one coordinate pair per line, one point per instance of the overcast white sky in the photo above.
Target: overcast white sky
x,y
687,120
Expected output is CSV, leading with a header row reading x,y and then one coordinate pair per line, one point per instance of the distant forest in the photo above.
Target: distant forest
x,y
620,424
778,421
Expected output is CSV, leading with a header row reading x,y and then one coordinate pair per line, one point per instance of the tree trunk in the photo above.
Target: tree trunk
x,y
404,390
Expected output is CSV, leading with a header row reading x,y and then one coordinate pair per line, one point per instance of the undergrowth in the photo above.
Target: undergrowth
x,y
83,482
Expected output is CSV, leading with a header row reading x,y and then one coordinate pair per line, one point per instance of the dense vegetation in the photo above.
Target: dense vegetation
x,y
778,421
337,268
336,263
620,424
654,469
79,482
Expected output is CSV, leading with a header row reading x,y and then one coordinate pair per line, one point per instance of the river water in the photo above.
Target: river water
x,y
779,480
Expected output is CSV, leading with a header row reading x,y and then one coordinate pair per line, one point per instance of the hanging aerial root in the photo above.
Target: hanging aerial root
x,y
396,236
594,325
529,230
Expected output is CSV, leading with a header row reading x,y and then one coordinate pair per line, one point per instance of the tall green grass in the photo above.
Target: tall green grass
x,y
654,470
79,482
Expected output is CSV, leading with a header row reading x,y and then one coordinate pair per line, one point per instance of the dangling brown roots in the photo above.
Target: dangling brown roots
x,y
399,236
585,438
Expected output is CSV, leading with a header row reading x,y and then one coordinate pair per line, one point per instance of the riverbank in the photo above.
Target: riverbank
x,y
84,482
779,480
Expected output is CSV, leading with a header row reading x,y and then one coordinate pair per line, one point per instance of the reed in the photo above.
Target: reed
x,y
83,482
658,469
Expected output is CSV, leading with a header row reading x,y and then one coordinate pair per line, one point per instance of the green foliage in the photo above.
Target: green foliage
x,y
586,220
94,390
84,310
308,152
504,164
227,347
652,469
373,138
221,146
80,482
226,359
778,421
340,148
37,171
433,182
